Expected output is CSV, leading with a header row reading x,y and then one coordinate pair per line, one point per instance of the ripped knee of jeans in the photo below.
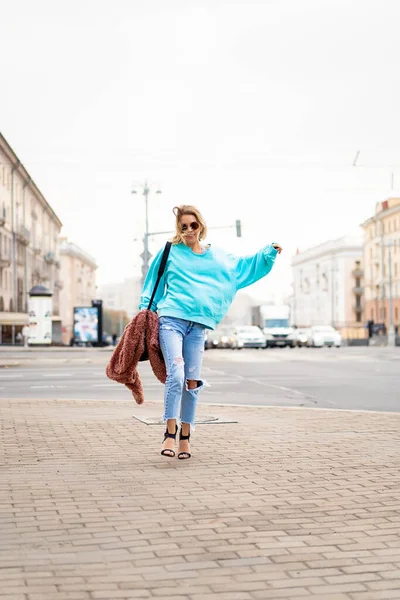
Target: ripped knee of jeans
x,y
194,385
178,361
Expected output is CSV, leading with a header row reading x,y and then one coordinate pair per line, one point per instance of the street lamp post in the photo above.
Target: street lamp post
x,y
146,254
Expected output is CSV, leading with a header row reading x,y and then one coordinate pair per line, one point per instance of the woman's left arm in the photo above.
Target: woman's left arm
x,y
250,269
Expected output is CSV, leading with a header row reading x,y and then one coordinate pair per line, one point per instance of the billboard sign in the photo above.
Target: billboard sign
x,y
86,324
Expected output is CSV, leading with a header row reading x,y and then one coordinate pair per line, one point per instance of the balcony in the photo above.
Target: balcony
x,y
358,308
23,235
50,258
358,290
5,260
37,251
358,272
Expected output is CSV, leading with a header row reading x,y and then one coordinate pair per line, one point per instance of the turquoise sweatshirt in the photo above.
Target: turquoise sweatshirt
x,y
201,287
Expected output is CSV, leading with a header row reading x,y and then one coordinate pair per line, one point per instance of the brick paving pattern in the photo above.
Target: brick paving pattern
x,y
286,503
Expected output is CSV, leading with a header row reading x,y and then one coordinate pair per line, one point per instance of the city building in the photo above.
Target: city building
x,y
382,263
29,230
328,286
240,311
123,295
78,281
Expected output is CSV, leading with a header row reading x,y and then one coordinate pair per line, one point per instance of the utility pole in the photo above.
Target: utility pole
x,y
146,254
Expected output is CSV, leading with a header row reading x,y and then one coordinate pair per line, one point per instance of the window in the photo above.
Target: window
x,y
396,313
372,314
358,282
358,317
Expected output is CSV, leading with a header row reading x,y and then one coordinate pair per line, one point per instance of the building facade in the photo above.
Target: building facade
x,y
78,280
382,263
29,230
123,296
328,285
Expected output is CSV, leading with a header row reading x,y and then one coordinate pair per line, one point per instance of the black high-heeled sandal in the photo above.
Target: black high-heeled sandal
x,y
184,455
164,451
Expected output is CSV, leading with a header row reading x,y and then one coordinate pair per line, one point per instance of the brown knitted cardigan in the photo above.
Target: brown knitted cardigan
x,y
140,333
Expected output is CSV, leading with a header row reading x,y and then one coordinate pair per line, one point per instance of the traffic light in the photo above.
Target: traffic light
x,y
238,228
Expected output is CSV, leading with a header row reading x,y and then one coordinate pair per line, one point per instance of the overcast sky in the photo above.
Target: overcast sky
x,y
250,110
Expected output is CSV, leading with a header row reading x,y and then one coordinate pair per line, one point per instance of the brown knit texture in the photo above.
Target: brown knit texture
x,y
141,332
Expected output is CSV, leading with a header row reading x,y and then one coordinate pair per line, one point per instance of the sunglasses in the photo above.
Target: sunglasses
x,y
193,226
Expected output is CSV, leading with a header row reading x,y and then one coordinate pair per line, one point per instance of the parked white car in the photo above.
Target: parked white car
x,y
324,335
248,336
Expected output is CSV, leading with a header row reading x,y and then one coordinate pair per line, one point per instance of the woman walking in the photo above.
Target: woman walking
x,y
194,294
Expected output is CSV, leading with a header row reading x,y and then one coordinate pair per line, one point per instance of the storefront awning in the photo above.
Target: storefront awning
x,y
13,318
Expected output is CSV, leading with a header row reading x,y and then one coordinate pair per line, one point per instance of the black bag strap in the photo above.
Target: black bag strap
x,y
161,270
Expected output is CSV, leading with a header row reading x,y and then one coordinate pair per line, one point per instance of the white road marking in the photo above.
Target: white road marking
x,y
35,387
10,376
56,374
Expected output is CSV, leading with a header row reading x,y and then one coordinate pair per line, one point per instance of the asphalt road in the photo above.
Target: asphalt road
x,y
345,378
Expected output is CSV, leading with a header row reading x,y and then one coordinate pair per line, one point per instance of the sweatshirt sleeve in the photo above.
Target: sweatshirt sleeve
x,y
150,282
250,269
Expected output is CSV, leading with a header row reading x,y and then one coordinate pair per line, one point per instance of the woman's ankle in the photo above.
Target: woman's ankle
x,y
185,429
171,425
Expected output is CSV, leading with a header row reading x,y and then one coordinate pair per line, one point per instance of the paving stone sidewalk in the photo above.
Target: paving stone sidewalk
x,y
285,503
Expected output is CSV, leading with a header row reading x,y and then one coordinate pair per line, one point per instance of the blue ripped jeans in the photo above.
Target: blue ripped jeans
x,y
182,345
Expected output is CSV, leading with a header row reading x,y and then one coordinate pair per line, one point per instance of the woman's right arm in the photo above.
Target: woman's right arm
x,y
150,282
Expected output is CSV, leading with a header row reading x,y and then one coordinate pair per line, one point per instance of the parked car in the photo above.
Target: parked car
x,y
276,328
248,336
211,340
324,335
300,337
225,336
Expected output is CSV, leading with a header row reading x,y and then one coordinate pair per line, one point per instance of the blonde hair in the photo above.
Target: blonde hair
x,y
187,209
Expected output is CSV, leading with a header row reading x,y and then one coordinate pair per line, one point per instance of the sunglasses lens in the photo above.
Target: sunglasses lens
x,y
194,226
